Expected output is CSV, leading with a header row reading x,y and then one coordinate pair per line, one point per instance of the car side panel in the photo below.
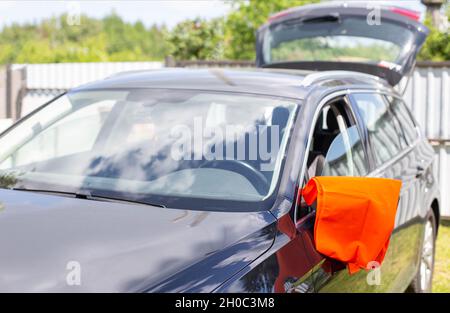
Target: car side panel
x,y
400,263
286,267
293,265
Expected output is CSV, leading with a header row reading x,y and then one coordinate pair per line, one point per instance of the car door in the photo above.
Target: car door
x,y
393,159
391,155
416,163
338,147
381,41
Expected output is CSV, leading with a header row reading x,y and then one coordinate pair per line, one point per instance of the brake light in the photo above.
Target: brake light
x,y
414,15
279,15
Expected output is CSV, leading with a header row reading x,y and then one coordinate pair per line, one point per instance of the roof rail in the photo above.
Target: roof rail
x,y
122,73
318,76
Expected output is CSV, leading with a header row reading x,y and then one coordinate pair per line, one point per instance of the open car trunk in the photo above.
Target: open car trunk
x,y
381,41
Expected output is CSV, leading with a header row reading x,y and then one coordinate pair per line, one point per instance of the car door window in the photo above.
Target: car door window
x,y
345,156
336,148
384,131
406,122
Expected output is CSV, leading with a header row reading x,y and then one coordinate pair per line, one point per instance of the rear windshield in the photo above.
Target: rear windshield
x,y
349,39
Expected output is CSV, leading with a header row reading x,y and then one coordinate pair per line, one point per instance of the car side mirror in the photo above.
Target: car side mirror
x,y
355,217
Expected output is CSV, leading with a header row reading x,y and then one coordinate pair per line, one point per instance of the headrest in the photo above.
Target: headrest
x,y
280,117
332,121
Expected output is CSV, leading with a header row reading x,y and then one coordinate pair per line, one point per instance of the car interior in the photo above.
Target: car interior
x,y
334,146
332,122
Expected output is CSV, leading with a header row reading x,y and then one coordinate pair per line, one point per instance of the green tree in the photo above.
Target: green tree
x,y
113,39
198,39
245,18
437,46
109,39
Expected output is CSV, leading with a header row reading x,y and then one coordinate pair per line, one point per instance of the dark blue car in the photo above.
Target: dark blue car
x,y
184,180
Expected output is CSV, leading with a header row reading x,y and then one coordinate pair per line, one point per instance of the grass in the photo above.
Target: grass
x,y
441,279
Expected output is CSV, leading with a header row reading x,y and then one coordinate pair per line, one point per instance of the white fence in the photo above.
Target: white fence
x,y
428,96
69,75
45,81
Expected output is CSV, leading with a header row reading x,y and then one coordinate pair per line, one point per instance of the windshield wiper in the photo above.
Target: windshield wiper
x,y
51,192
121,200
87,195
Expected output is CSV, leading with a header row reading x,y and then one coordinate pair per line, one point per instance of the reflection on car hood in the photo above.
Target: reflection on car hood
x,y
45,239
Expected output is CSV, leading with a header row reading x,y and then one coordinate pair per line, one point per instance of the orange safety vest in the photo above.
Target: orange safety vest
x,y
355,217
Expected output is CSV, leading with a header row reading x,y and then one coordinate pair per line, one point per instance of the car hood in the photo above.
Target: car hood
x,y
54,243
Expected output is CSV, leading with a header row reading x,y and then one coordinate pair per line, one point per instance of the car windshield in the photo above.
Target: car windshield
x,y
173,148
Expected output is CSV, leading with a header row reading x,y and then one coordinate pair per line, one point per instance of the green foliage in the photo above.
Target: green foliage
x,y
94,40
316,49
198,40
111,39
437,46
441,277
245,18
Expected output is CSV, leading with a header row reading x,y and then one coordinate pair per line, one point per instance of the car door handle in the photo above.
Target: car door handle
x,y
420,172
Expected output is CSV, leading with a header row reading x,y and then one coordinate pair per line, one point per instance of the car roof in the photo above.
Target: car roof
x,y
272,82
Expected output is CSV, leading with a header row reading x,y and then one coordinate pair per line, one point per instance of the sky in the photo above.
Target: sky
x,y
169,12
